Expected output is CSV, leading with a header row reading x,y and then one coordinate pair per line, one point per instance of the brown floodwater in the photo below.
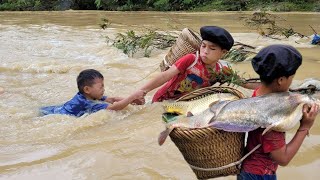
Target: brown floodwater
x,y
41,54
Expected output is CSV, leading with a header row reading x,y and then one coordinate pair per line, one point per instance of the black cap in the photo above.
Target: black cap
x,y
217,35
275,61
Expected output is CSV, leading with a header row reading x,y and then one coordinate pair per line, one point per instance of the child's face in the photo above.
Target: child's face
x,y
95,91
210,53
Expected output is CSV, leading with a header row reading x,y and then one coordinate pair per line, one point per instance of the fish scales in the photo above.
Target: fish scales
x,y
277,111
196,106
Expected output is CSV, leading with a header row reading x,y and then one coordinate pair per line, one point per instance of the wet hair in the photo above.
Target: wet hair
x,y
276,61
87,77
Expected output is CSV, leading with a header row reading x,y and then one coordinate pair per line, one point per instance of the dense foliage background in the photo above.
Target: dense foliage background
x,y
162,5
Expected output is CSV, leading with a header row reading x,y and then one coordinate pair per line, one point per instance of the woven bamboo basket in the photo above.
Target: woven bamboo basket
x,y
210,152
187,42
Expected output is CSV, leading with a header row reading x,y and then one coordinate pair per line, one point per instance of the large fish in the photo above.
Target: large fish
x,y
195,106
276,111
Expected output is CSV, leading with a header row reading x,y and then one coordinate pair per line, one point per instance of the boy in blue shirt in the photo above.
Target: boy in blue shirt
x,y
90,97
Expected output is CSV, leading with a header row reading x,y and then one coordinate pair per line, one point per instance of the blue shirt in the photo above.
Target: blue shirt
x,y
77,106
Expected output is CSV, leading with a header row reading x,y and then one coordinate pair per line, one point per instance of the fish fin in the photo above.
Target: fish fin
x,y
169,117
189,114
216,108
163,135
232,127
218,105
213,103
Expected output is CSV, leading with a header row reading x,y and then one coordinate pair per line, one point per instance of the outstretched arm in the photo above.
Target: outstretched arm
x,y
118,105
113,99
160,79
285,154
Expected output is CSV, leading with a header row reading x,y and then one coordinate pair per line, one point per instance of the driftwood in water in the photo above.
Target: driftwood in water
x,y
240,52
131,42
267,25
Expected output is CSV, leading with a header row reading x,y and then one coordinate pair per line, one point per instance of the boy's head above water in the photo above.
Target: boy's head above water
x,y
90,83
276,61
218,36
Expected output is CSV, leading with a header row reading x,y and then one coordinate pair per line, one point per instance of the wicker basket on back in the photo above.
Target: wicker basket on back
x,y
186,43
210,152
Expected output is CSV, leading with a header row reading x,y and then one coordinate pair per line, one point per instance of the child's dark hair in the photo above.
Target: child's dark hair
x,y
87,77
268,81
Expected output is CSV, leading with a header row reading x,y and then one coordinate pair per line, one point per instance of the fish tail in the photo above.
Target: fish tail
x,y
163,135
189,114
217,107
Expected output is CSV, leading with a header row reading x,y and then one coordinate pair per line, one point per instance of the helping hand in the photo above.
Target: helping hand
x,y
139,95
140,101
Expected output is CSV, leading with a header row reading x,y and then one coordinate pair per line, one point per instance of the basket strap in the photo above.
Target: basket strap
x,y
228,165
166,64
195,61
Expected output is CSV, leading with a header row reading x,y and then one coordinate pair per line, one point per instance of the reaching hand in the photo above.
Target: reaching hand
x,y
139,97
140,101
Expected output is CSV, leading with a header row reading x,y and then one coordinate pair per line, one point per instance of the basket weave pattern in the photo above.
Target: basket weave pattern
x,y
186,43
209,147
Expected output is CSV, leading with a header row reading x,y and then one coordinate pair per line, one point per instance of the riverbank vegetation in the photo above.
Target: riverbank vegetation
x,y
162,5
